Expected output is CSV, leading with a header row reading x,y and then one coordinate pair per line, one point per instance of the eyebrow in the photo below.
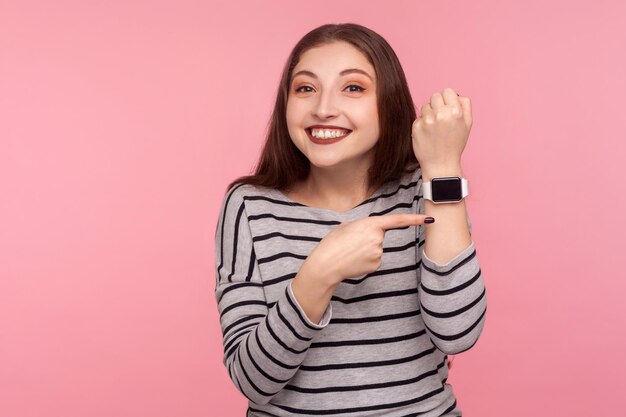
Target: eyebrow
x,y
342,73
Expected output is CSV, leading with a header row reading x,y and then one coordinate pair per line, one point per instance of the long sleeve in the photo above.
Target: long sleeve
x,y
263,347
452,297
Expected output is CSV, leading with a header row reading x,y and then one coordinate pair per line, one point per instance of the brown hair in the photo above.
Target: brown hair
x,y
282,164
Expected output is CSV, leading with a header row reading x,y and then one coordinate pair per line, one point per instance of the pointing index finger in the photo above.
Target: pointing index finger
x,y
392,221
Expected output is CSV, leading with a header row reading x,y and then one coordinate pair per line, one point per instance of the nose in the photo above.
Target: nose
x,y
326,105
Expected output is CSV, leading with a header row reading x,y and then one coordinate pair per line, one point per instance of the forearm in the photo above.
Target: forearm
x,y
263,348
449,234
453,301
312,293
452,291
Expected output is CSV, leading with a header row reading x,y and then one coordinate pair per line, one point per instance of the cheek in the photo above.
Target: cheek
x,y
293,127
370,118
290,119
293,114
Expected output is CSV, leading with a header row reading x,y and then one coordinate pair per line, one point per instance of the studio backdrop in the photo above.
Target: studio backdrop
x,y
122,122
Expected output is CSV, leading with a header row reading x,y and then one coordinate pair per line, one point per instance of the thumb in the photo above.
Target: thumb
x,y
392,221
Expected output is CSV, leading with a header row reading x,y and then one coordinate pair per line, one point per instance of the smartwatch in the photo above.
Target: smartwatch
x,y
445,189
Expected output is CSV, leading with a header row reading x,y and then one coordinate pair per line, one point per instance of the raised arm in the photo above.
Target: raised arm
x,y
452,292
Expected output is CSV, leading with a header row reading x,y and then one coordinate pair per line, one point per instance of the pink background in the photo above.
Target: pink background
x,y
122,122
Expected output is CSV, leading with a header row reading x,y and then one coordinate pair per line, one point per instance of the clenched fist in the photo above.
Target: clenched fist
x,y
441,131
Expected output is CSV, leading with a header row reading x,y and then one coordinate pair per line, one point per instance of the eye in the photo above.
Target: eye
x,y
360,89
299,89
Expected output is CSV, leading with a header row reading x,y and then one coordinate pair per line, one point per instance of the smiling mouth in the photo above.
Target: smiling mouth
x,y
331,130
327,135
324,140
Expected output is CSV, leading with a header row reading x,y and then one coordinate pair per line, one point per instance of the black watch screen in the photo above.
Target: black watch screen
x,y
446,189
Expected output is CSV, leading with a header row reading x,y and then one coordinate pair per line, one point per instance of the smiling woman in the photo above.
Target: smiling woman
x,y
328,302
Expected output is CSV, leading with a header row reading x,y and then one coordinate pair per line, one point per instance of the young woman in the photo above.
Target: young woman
x,y
338,292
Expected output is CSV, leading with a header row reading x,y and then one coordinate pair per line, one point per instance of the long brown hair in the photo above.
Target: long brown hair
x,y
282,164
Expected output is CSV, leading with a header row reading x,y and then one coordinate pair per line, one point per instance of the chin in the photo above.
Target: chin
x,y
322,165
324,162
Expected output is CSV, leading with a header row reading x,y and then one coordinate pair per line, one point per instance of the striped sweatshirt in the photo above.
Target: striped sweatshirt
x,y
382,345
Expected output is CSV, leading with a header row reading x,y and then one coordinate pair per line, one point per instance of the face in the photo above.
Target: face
x,y
334,86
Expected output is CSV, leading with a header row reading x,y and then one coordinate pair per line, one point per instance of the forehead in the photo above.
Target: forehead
x,y
330,59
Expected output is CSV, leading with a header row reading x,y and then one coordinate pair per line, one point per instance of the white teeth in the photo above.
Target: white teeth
x,y
327,133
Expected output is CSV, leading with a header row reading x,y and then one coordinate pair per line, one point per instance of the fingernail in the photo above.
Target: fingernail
x,y
458,94
429,220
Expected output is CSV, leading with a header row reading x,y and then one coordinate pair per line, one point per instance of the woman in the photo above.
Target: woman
x,y
338,292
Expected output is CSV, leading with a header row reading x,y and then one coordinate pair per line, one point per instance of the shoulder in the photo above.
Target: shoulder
x,y
415,174
408,186
412,178
402,190
239,195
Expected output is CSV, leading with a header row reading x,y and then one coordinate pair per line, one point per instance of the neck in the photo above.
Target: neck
x,y
340,188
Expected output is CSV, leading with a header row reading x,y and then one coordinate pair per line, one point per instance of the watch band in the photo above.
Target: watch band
x,y
459,191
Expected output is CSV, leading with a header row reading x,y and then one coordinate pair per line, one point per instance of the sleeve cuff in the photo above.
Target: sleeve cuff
x,y
325,317
464,254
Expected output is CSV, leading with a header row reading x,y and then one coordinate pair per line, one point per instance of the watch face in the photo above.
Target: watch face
x,y
446,189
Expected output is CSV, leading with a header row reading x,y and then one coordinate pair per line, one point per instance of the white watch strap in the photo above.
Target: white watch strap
x,y
427,191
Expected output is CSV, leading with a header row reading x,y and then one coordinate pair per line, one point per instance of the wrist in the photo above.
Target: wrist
x,y
445,186
325,278
429,173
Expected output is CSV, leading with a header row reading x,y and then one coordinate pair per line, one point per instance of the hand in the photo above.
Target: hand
x,y
441,131
355,248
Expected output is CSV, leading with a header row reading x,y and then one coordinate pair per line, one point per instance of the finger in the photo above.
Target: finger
x,y
466,105
392,221
426,110
451,98
436,101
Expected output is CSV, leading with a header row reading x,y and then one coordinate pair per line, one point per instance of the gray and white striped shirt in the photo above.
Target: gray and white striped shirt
x,y
381,347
